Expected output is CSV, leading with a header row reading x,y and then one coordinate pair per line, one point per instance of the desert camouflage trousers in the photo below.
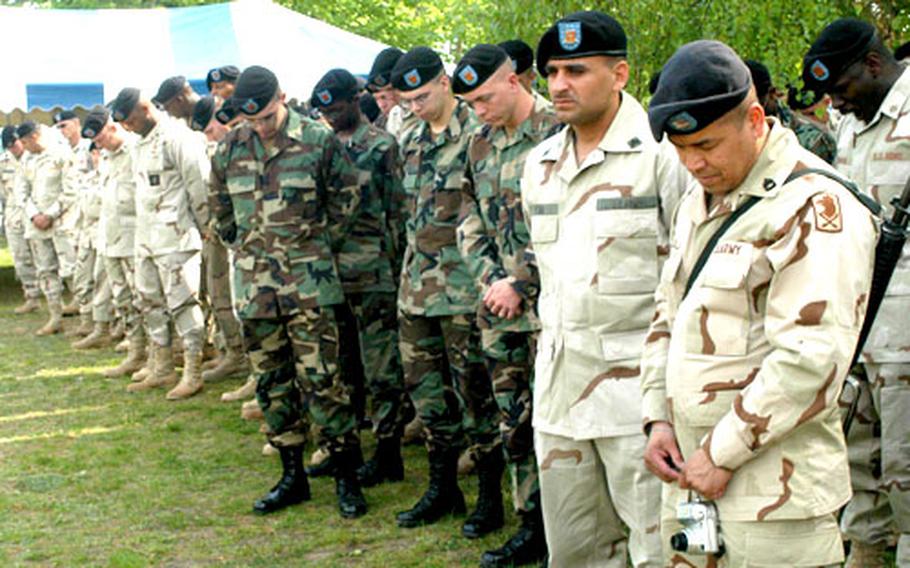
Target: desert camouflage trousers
x,y
217,293
168,288
509,358
119,295
448,383
879,450
84,277
295,362
601,506
368,332
23,262
47,262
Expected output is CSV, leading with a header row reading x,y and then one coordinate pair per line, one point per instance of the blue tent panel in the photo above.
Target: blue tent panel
x,y
204,38
66,95
198,85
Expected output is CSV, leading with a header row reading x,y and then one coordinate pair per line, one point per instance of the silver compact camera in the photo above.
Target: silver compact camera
x,y
701,532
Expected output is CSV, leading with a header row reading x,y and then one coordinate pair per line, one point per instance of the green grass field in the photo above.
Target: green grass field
x,y
93,476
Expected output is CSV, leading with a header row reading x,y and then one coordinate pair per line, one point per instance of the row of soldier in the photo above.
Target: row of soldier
x,y
480,256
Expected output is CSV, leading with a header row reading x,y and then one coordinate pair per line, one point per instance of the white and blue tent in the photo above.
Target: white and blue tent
x,y
67,58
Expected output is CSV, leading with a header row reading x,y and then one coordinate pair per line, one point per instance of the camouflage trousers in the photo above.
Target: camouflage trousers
x,y
448,383
218,295
295,362
119,295
368,331
23,262
601,506
65,245
879,450
84,277
168,288
509,356
47,262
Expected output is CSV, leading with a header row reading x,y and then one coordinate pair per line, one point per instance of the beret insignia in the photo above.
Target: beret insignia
x,y
468,75
412,78
683,122
819,70
569,35
325,97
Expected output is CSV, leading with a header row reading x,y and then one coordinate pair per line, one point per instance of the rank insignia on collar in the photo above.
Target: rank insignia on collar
x,y
819,71
468,75
412,78
569,35
683,122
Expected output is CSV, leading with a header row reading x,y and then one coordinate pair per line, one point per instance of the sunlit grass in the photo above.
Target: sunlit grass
x,y
93,476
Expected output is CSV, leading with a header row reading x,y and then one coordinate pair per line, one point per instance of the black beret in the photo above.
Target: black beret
x,y
416,68
227,73
520,53
26,128
839,45
700,83
581,34
761,77
95,121
368,106
9,136
652,84
337,84
64,115
902,51
477,65
170,88
124,104
255,89
227,112
801,99
381,72
202,113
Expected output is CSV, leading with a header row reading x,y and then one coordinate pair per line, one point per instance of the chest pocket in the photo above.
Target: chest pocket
x,y
544,222
625,231
296,200
721,323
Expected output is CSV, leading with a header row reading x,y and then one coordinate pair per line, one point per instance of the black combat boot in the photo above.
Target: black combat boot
x,y
293,486
527,546
385,465
488,516
351,503
326,468
443,497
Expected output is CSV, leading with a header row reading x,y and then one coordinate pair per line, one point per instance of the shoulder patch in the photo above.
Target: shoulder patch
x,y
827,210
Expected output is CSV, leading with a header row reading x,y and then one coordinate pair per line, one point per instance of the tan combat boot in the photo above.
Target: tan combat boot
x,y
98,338
30,305
148,366
134,361
71,309
232,363
251,410
118,331
191,381
55,322
123,346
163,374
866,555
83,329
246,391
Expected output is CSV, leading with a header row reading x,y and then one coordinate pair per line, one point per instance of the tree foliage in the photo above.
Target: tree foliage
x,y
776,32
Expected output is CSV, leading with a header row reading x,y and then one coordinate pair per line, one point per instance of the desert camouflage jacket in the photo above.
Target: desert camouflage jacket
x,y
750,363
